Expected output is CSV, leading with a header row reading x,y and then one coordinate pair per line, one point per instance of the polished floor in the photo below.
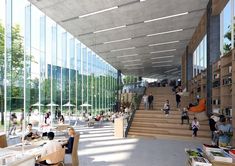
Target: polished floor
x,y
98,147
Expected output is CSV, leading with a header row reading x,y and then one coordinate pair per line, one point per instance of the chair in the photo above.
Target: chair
x,y
3,141
57,158
74,155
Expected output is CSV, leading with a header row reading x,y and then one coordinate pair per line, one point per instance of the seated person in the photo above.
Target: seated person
x,y
90,117
50,147
97,118
69,145
166,107
61,119
184,116
31,133
225,132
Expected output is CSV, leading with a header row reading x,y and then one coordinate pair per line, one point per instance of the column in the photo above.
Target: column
x,y
213,50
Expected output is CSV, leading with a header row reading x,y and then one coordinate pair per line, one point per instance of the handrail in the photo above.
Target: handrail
x,y
130,119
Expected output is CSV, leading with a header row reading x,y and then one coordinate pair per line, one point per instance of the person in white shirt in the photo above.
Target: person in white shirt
x,y
166,108
195,126
50,147
145,99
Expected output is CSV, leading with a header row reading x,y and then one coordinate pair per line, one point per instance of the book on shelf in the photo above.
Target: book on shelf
x,y
200,161
193,153
220,156
207,147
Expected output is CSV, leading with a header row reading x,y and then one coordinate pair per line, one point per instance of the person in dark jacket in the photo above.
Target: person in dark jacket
x,y
150,101
69,145
178,99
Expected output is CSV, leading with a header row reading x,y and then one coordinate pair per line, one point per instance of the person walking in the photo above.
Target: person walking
x,y
150,101
178,99
13,120
195,126
145,99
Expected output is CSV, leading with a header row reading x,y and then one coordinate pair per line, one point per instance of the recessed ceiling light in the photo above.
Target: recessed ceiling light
x,y
114,41
109,29
134,60
155,52
134,68
166,17
171,70
161,62
158,44
162,66
97,12
162,57
129,48
123,56
137,64
166,32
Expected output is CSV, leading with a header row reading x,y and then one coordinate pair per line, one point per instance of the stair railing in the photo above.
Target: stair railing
x,y
135,103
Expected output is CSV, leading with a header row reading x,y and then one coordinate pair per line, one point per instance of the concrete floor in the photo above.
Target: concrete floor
x,y
98,147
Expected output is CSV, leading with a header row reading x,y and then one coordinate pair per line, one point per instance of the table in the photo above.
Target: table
x,y
13,158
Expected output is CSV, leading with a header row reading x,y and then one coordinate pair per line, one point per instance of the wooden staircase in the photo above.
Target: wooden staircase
x,y
154,123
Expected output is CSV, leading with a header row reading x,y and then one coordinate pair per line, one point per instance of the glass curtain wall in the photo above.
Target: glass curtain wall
x,y
227,17
44,69
199,57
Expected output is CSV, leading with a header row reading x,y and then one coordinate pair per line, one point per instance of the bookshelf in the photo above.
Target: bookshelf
x,y
223,85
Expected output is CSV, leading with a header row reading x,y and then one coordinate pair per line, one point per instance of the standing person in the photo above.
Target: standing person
x,y
178,99
195,126
150,101
56,113
21,119
145,99
166,108
225,132
212,124
13,120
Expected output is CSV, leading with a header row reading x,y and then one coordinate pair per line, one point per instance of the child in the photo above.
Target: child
x,y
166,108
195,126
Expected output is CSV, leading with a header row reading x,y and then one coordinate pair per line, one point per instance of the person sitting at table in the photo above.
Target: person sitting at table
x,y
69,145
31,133
61,119
50,147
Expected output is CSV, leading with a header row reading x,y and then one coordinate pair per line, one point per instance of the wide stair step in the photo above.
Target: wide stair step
x,y
154,123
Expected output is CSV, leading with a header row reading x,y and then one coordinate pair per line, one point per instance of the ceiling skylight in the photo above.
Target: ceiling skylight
x,y
162,57
166,32
161,62
130,55
97,12
129,48
158,44
115,41
109,29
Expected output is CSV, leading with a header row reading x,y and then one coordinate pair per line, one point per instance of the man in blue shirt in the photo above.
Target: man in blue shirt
x,y
225,132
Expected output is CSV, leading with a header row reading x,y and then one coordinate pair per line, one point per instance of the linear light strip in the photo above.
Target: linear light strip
x,y
109,29
166,17
155,52
162,66
171,70
129,48
137,64
134,60
162,57
115,41
161,62
158,44
166,32
97,12
130,55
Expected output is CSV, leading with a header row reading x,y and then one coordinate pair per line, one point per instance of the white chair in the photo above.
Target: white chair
x,y
57,158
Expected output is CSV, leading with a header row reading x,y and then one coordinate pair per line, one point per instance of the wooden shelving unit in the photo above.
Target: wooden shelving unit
x,y
223,85
198,86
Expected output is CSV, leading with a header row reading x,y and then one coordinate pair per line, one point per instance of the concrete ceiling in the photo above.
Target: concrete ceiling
x,y
128,45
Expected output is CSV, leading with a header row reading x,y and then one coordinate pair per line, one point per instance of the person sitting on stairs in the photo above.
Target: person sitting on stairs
x,y
184,116
166,108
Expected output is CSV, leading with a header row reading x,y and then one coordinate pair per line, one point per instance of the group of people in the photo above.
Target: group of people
x,y
51,146
148,101
221,130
